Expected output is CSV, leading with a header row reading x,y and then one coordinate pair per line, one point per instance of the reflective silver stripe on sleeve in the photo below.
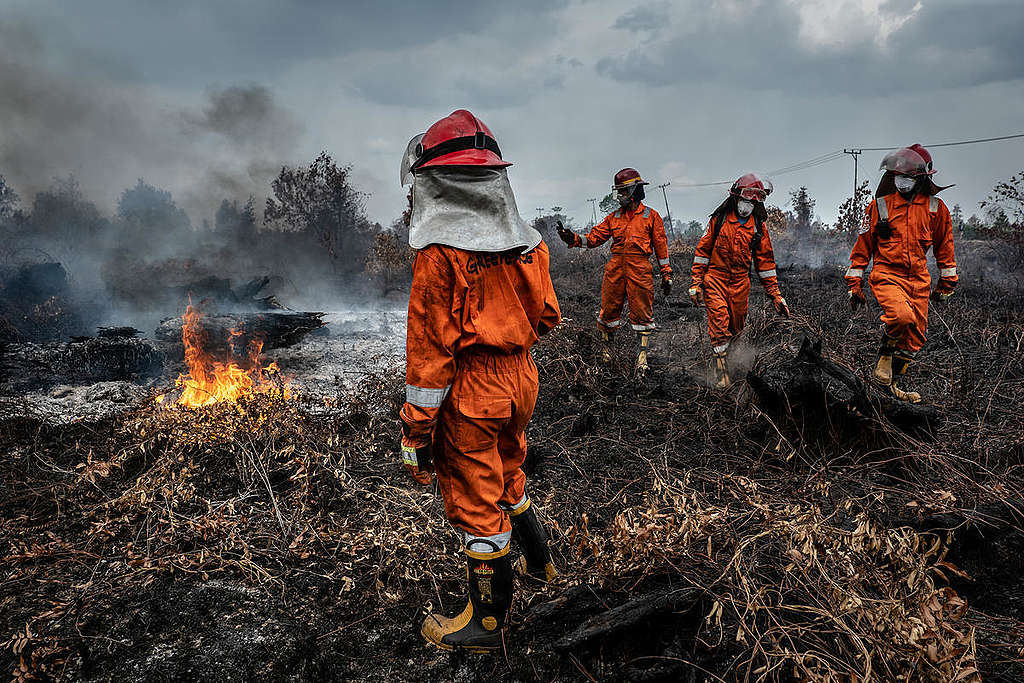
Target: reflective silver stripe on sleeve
x,y
701,261
883,209
426,398
855,272
947,272
647,212
766,273
663,262
933,204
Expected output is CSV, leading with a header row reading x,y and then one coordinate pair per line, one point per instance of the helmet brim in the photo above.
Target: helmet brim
x,y
469,157
623,186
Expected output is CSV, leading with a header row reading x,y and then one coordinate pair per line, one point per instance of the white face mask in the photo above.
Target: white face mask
x,y
744,208
904,183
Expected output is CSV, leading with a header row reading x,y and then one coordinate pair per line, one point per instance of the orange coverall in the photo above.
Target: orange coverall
x,y
471,383
723,273
899,278
627,275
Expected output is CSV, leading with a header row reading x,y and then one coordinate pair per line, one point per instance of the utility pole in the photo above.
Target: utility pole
x,y
668,211
540,212
593,205
855,153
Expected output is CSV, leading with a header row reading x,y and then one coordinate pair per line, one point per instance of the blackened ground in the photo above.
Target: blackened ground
x,y
142,547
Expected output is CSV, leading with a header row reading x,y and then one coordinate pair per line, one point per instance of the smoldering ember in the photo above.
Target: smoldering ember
x,y
265,416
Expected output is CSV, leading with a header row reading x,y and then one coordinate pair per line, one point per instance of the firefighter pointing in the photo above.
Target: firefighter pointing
x,y
635,230
905,219
481,296
735,238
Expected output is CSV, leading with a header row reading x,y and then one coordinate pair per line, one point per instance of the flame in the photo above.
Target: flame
x,y
210,380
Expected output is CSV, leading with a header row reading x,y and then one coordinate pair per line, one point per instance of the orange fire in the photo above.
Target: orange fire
x,y
210,380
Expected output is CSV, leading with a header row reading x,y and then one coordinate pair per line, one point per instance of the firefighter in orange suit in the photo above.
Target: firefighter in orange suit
x,y
481,296
634,230
735,238
905,219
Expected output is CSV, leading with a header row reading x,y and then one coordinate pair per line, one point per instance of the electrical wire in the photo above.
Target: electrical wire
x,y
946,144
833,156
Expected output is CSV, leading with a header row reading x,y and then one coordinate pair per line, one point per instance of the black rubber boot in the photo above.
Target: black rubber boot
x,y
478,628
532,538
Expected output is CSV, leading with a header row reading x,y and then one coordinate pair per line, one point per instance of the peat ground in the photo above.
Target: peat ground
x,y
702,535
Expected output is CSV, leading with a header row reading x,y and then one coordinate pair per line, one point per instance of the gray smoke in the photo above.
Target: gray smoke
x,y
66,111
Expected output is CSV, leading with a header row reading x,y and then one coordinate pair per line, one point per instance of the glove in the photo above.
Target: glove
x,y
417,461
856,299
781,307
567,236
938,295
666,284
696,295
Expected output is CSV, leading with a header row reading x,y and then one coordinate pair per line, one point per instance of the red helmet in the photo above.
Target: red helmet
x,y
925,154
752,187
912,161
626,178
459,139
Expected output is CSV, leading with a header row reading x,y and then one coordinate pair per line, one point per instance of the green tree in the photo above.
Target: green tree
x,y
62,217
8,200
956,216
148,211
803,210
851,211
236,224
1008,197
321,201
608,204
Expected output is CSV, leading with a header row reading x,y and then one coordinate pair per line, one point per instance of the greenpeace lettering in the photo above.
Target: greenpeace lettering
x,y
481,261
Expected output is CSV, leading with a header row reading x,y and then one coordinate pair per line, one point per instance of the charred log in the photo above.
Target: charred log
x,y
628,616
29,367
218,291
811,388
276,329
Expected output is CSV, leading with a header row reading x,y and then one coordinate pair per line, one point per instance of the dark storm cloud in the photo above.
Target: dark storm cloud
x,y
418,83
179,42
650,17
943,45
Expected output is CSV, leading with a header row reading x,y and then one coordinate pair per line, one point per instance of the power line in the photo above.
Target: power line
x,y
948,144
832,156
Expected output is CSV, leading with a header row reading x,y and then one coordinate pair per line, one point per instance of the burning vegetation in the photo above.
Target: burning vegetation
x,y
211,380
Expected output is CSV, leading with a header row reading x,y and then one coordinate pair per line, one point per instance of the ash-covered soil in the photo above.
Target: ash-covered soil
x,y
701,535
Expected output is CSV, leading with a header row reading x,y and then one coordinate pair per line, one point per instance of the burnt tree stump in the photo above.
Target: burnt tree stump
x,y
811,387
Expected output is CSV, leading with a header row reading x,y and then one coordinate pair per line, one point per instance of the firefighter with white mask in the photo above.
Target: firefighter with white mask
x,y
901,224
735,239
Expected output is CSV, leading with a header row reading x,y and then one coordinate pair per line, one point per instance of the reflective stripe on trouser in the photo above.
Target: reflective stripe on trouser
x,y
628,277
480,443
726,297
904,302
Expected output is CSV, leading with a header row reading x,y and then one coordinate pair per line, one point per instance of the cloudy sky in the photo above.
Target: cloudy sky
x,y
209,99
